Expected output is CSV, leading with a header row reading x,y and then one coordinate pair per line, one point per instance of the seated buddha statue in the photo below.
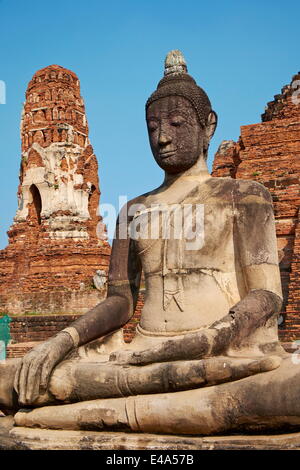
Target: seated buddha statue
x,y
206,357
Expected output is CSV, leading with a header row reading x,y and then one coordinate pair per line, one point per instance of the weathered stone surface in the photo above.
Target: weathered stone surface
x,y
42,439
269,152
57,241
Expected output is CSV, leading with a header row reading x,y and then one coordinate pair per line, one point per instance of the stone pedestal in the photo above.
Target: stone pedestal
x,y
18,438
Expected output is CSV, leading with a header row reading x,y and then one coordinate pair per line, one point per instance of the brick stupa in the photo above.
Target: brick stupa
x,y
57,242
269,152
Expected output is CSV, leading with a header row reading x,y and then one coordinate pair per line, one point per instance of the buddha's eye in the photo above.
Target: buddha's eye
x,y
152,126
177,121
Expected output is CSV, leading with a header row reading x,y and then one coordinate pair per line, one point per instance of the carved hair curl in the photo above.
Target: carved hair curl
x,y
182,84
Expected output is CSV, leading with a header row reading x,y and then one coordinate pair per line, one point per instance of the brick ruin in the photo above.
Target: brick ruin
x,y
57,242
269,152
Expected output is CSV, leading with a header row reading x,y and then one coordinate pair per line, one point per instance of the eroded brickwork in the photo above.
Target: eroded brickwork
x,y
269,152
57,241
226,159
36,328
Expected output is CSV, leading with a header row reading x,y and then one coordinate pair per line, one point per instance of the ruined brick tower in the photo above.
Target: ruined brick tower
x,y
57,242
269,152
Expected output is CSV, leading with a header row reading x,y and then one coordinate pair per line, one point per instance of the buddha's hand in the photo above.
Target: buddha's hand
x,y
123,356
243,319
33,373
186,347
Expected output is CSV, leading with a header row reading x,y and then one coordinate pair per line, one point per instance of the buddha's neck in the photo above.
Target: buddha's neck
x,y
198,172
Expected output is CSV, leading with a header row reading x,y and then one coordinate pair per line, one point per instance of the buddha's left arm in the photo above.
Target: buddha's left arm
x,y
256,262
255,242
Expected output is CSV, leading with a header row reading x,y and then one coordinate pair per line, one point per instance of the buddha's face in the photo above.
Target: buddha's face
x,y
176,136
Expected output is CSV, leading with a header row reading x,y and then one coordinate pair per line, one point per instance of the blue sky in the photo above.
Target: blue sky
x,y
241,52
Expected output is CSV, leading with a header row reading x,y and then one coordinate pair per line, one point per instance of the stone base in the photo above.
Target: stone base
x,y
18,438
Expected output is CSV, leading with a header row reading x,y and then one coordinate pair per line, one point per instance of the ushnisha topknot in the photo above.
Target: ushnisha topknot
x,y
178,82
175,63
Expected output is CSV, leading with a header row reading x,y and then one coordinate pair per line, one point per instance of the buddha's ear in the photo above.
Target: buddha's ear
x,y
211,125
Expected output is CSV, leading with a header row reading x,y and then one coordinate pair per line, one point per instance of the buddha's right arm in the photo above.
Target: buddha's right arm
x,y
33,373
123,287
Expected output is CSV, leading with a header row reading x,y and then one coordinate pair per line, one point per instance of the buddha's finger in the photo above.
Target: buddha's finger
x,y
17,377
33,381
45,375
23,382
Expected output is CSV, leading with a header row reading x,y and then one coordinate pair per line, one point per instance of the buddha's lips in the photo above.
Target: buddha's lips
x,y
169,153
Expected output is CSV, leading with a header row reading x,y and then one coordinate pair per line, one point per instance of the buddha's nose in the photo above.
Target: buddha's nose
x,y
164,139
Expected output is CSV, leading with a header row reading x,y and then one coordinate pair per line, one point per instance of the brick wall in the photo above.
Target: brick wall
x,y
38,327
26,331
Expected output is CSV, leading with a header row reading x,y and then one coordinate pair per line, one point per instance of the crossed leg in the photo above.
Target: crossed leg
x,y
264,401
76,380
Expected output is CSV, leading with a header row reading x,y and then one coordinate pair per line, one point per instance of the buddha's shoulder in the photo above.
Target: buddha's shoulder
x,y
135,204
240,190
145,199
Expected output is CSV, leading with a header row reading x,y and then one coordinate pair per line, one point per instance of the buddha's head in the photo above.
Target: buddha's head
x,y
180,119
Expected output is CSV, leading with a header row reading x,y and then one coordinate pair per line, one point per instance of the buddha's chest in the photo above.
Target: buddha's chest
x,y
174,237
